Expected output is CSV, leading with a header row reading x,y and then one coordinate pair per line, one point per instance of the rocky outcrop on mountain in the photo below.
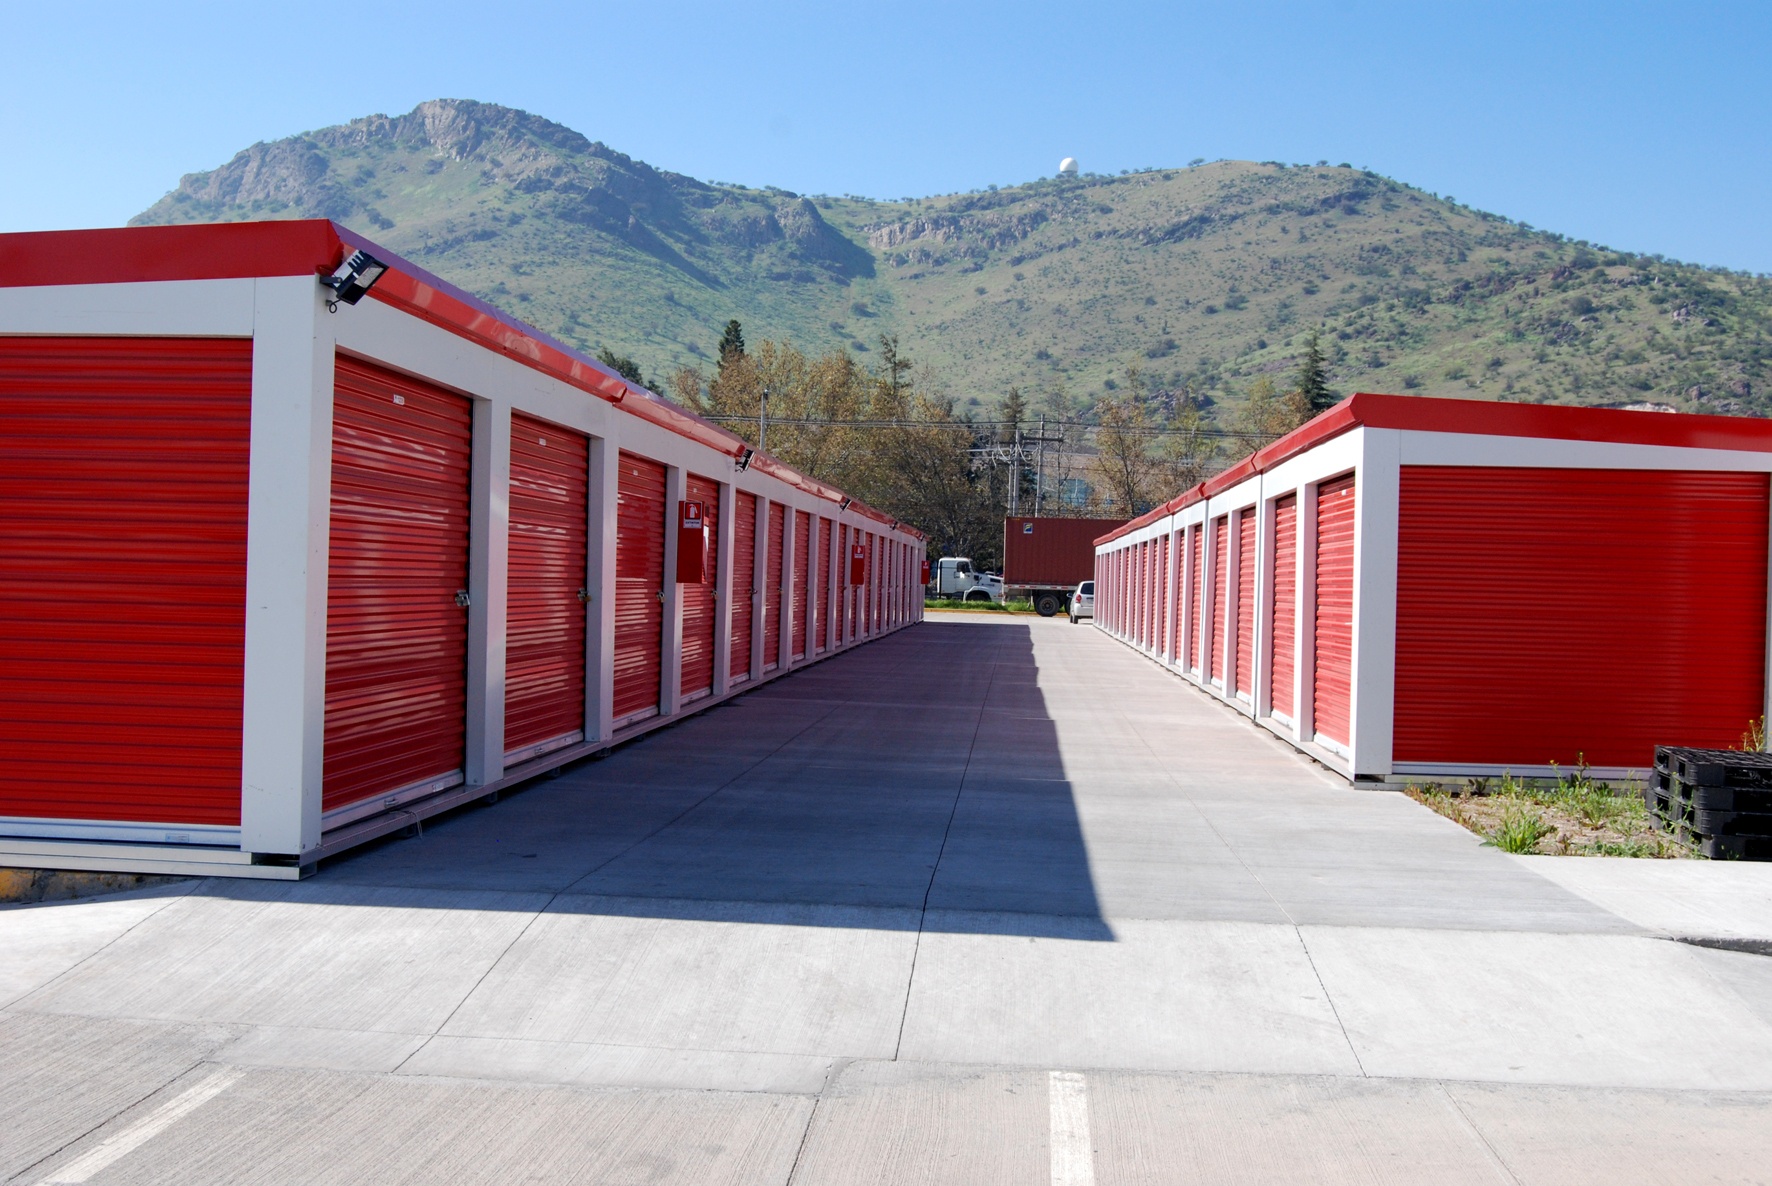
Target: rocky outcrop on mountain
x,y
364,169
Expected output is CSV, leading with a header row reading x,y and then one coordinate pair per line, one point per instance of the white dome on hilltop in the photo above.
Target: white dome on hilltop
x,y
1067,167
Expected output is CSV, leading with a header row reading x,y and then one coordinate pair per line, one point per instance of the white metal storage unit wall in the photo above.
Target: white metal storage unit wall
x,y
1416,588
288,578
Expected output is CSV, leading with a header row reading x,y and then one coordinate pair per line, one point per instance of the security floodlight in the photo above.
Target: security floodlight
x,y
844,505
356,276
743,461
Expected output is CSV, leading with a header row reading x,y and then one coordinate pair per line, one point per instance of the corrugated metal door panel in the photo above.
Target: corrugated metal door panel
x,y
1332,692
1246,603
825,569
802,579
1141,593
700,603
123,476
865,611
1162,632
545,607
1159,591
1197,608
1546,614
772,575
1284,604
744,583
1178,553
396,640
1146,567
639,587
1221,530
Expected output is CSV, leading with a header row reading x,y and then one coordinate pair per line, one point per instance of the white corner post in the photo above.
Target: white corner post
x,y
489,501
289,504
784,657
670,694
1377,502
724,530
600,580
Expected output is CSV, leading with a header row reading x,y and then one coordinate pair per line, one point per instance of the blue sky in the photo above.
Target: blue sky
x,y
1639,126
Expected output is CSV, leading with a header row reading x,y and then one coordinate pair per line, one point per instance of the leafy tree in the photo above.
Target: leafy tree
x,y
731,343
1313,376
1187,455
1123,463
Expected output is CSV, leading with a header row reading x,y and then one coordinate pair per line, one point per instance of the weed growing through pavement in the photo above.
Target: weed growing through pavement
x,y
1570,814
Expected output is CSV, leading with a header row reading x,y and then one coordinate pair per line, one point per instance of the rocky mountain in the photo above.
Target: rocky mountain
x,y
1198,278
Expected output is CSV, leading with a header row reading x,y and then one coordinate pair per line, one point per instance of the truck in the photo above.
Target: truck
x,y
1045,559
955,577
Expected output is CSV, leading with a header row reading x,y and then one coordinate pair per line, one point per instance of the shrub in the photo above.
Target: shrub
x,y
1520,830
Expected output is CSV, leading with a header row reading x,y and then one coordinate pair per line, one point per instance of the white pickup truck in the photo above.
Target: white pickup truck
x,y
954,577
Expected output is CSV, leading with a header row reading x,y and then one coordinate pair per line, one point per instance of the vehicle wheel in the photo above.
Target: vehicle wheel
x,y
1073,618
1047,604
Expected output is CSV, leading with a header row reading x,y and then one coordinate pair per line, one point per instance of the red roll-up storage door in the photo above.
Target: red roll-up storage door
x,y
1162,631
639,583
396,638
1177,554
123,477
744,583
1196,609
545,605
699,603
772,575
1221,530
802,580
1544,615
1332,693
1246,603
826,574
1284,605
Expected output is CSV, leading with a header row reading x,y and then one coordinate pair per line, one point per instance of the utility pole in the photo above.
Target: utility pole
x,y
1040,469
1015,476
762,419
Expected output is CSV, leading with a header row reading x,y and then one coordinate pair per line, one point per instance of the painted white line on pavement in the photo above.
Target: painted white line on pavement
x,y
120,1144
1073,1157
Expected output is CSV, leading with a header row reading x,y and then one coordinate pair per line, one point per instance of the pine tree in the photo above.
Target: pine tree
x,y
1313,377
1014,411
622,365
731,343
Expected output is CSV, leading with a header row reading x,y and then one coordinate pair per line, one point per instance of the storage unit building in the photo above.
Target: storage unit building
x,y
1419,588
286,572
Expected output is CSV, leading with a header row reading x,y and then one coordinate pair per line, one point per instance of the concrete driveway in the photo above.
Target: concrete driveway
x,y
987,901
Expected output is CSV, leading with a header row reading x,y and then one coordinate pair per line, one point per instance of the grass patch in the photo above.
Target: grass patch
x,y
979,607
1572,814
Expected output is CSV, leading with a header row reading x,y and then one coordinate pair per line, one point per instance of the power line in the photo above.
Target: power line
x,y
982,425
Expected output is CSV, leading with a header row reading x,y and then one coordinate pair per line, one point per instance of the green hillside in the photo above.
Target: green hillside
x,y
1201,277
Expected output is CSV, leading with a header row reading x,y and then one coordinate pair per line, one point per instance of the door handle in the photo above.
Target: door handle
x,y
461,598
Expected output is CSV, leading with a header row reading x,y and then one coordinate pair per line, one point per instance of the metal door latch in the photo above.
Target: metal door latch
x,y
584,597
461,598
661,596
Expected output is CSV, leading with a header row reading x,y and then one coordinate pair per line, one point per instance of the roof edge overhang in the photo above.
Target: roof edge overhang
x,y
1420,413
314,247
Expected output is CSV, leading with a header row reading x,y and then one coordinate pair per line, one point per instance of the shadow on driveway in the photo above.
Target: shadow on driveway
x,y
916,780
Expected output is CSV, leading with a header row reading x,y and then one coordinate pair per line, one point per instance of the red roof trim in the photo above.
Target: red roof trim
x,y
308,247
1480,418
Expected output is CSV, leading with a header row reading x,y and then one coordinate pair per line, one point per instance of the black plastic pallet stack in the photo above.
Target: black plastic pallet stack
x,y
1720,799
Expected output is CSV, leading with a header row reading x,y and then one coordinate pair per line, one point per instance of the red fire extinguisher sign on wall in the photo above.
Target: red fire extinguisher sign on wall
x,y
924,569
858,565
692,544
